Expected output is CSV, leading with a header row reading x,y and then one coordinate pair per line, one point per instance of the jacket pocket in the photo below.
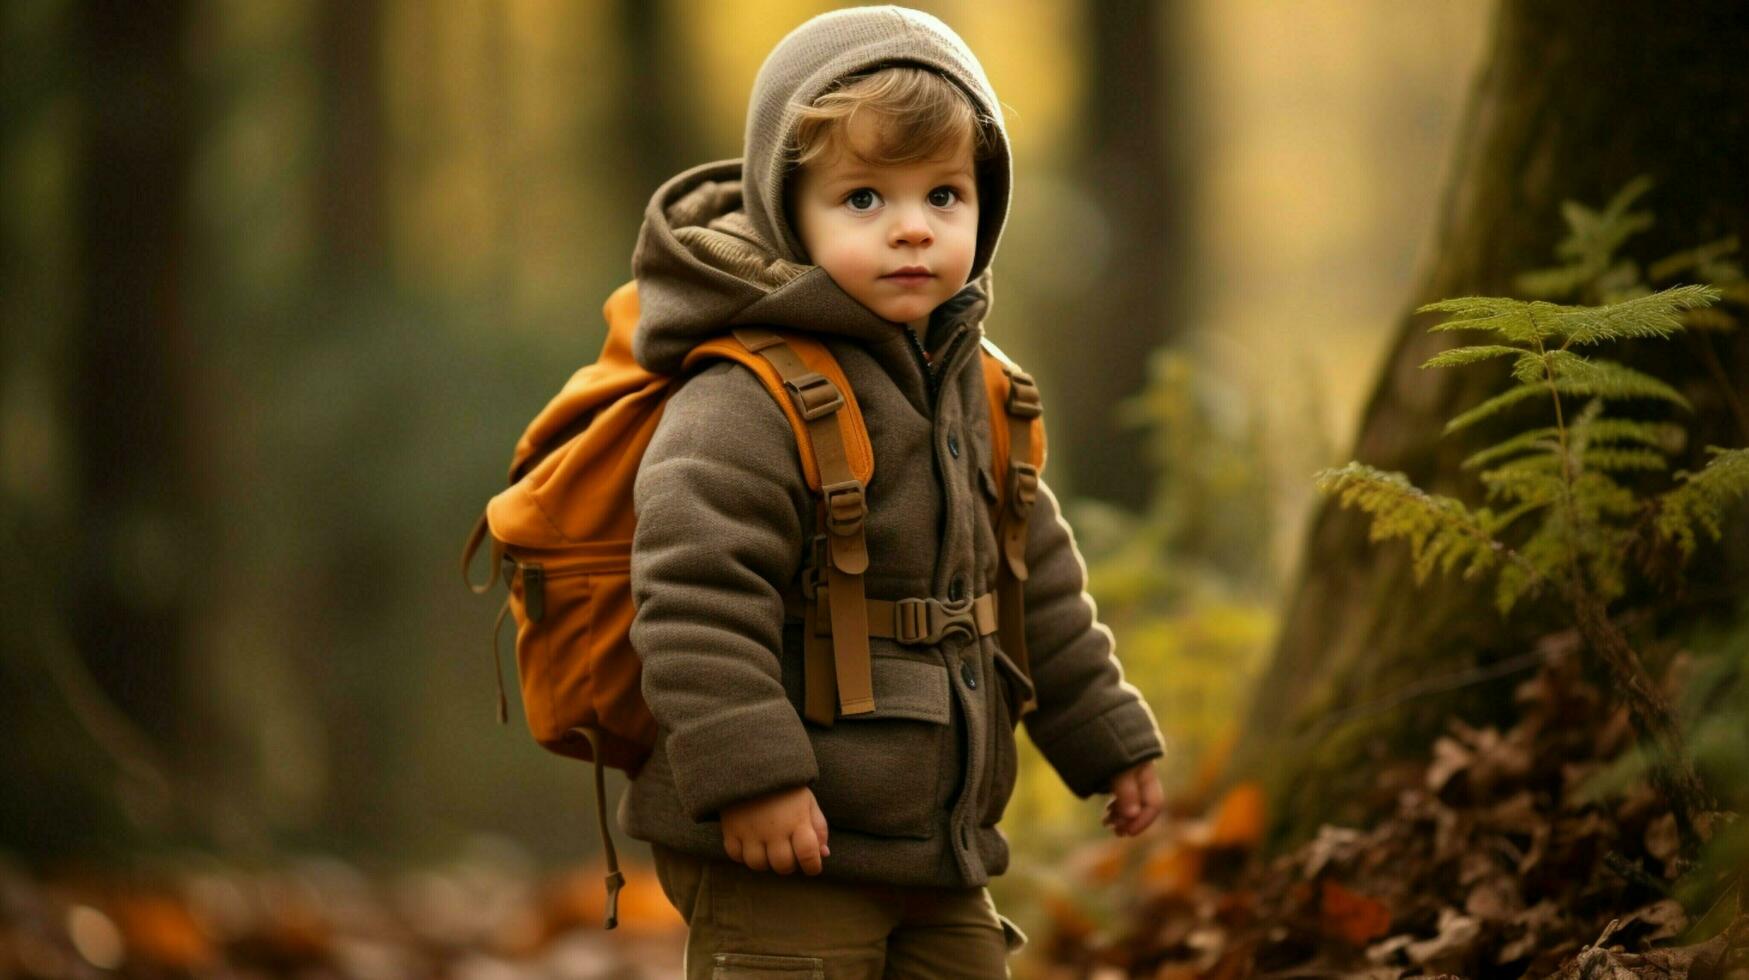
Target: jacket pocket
x,y
752,966
880,772
1012,688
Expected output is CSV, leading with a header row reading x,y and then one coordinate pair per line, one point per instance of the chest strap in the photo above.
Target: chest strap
x,y
913,621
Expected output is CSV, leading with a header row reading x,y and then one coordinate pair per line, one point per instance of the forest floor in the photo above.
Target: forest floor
x,y
1497,856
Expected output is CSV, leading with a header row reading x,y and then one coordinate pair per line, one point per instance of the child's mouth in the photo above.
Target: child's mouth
x,y
909,278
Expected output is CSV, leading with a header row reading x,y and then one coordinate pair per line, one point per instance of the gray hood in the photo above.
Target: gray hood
x,y
715,249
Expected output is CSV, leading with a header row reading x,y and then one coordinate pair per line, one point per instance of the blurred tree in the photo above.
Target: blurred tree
x,y
1573,101
1125,311
351,219
659,141
130,549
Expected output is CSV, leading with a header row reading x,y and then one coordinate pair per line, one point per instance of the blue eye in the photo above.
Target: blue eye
x,y
859,194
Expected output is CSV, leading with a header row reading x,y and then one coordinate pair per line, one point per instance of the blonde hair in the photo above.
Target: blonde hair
x,y
920,115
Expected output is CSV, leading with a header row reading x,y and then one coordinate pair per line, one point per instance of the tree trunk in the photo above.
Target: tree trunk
x,y
132,564
1572,101
1126,310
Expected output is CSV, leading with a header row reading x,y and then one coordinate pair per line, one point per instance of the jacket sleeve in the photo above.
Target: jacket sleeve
x,y
1090,723
720,497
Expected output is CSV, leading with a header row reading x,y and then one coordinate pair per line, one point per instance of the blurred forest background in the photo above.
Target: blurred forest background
x,y
282,282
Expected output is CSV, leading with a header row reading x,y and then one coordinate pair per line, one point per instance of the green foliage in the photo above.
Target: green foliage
x,y
1565,475
1701,498
1439,529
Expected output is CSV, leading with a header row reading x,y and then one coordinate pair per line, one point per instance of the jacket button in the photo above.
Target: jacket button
x,y
956,589
968,675
953,445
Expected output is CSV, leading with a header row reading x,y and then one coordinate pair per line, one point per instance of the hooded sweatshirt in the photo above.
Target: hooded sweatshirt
x,y
912,791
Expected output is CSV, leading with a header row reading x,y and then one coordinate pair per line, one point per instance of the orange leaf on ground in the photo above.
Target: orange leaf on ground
x,y
1350,916
164,931
1238,819
1173,869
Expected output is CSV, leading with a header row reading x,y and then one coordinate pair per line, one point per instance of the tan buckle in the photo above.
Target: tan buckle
x,y
928,621
814,395
1023,400
845,506
1022,487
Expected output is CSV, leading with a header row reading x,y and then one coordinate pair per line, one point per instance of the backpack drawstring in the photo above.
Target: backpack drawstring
x,y
615,880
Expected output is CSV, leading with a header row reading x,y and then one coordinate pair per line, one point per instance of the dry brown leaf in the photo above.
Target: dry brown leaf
x,y
1351,917
1450,757
1456,933
1662,840
1333,845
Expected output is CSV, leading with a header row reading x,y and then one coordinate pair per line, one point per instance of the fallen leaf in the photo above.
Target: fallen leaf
x,y
1350,916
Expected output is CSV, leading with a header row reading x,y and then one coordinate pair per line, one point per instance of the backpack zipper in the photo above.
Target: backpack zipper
x,y
534,581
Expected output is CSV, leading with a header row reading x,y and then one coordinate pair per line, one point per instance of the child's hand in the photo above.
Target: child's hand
x,y
1136,800
777,830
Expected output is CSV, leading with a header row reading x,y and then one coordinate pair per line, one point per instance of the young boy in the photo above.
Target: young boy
x,y
866,210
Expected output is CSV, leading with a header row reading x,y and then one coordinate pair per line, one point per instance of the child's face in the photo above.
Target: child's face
x,y
863,223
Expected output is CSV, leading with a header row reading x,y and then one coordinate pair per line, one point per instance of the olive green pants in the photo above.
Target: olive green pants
x,y
746,923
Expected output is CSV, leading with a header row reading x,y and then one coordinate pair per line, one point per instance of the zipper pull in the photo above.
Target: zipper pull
x,y
534,591
498,665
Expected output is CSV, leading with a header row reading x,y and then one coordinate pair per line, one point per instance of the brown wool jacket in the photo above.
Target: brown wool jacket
x,y
911,792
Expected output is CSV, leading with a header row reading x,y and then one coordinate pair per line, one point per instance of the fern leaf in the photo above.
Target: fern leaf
x,y
1541,556
1510,396
1563,280
1653,315
1697,257
1600,233
1702,498
1513,319
1528,480
1469,355
1575,375
1661,436
1438,528
1544,439
1622,459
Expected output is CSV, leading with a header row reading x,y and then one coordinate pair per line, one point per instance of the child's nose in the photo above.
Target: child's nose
x,y
910,228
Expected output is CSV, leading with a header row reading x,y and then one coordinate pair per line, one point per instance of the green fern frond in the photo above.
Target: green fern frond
x,y
1591,242
1540,559
1596,497
1544,439
1702,498
1651,315
1439,529
1662,436
1552,283
1703,256
1458,356
1575,375
1513,319
1510,396
1600,233
1622,459
1527,480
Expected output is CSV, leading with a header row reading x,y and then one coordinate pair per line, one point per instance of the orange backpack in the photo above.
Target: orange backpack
x,y
562,540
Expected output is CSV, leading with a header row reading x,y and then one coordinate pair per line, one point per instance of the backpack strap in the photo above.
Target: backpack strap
x,y
810,386
1017,439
